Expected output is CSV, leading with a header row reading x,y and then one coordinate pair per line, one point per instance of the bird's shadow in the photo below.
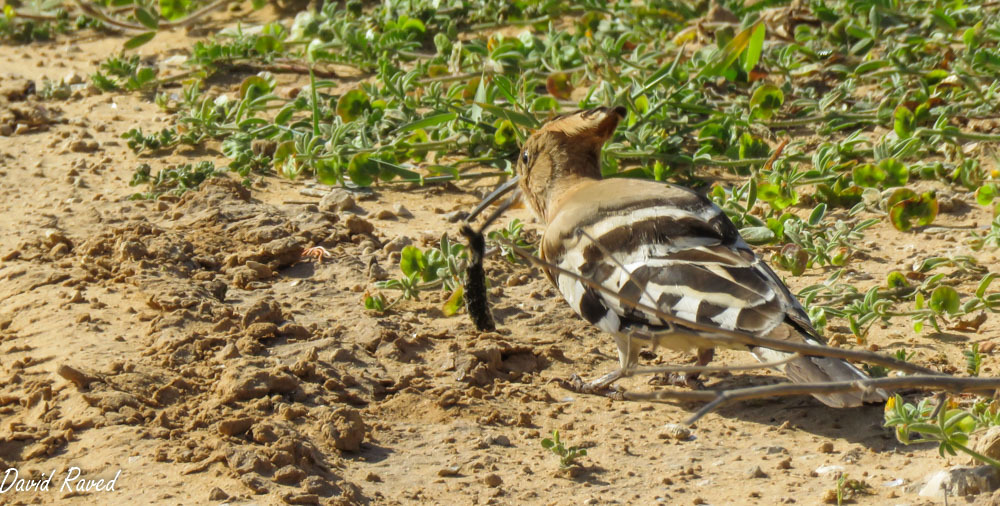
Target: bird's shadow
x,y
861,425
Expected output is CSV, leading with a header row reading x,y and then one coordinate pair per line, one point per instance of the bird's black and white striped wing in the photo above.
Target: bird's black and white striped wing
x,y
677,252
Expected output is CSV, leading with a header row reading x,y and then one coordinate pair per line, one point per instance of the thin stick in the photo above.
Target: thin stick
x,y
775,155
722,397
631,371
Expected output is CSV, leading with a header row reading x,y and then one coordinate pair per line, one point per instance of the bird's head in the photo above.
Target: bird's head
x,y
563,152
566,147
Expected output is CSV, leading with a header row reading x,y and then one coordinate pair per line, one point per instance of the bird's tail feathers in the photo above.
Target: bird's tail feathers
x,y
824,369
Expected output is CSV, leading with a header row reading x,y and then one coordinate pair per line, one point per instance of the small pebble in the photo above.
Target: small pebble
x,y
448,471
401,211
675,431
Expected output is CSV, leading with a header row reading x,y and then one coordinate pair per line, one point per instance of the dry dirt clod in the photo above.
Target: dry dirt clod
x,y
289,475
397,244
826,447
359,226
76,376
445,472
217,494
235,426
338,200
261,270
492,480
300,498
346,428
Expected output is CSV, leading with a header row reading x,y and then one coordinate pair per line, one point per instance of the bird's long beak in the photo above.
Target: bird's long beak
x,y
492,197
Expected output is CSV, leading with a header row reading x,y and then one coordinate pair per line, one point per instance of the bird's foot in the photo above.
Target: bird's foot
x,y
601,386
692,381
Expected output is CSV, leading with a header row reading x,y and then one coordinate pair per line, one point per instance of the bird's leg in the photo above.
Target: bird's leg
x,y
628,356
693,379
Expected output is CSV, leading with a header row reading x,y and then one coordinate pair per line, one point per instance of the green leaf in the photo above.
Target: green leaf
x,y
986,193
868,175
174,9
984,284
505,136
508,114
754,47
900,195
351,105
944,299
362,169
971,35
547,103
412,25
284,160
757,235
454,302
766,100
268,44
869,66
817,214
768,192
139,40
146,18
723,58
902,212
793,259
328,172
412,261
896,279
375,303
904,122
896,173
284,114
253,87
428,122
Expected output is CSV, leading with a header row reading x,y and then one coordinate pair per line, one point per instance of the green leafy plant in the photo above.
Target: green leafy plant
x,y
118,73
973,359
175,180
567,456
949,428
848,489
514,234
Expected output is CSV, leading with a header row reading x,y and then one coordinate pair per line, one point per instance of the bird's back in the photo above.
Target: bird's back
x,y
672,249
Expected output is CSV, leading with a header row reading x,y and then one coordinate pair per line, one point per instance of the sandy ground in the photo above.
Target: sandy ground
x,y
182,346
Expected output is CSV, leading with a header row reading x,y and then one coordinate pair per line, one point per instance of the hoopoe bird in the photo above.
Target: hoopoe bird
x,y
672,248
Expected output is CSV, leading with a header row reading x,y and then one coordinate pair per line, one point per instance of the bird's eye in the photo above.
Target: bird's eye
x,y
524,157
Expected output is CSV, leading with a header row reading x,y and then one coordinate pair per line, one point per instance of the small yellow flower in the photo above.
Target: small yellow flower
x,y
890,404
